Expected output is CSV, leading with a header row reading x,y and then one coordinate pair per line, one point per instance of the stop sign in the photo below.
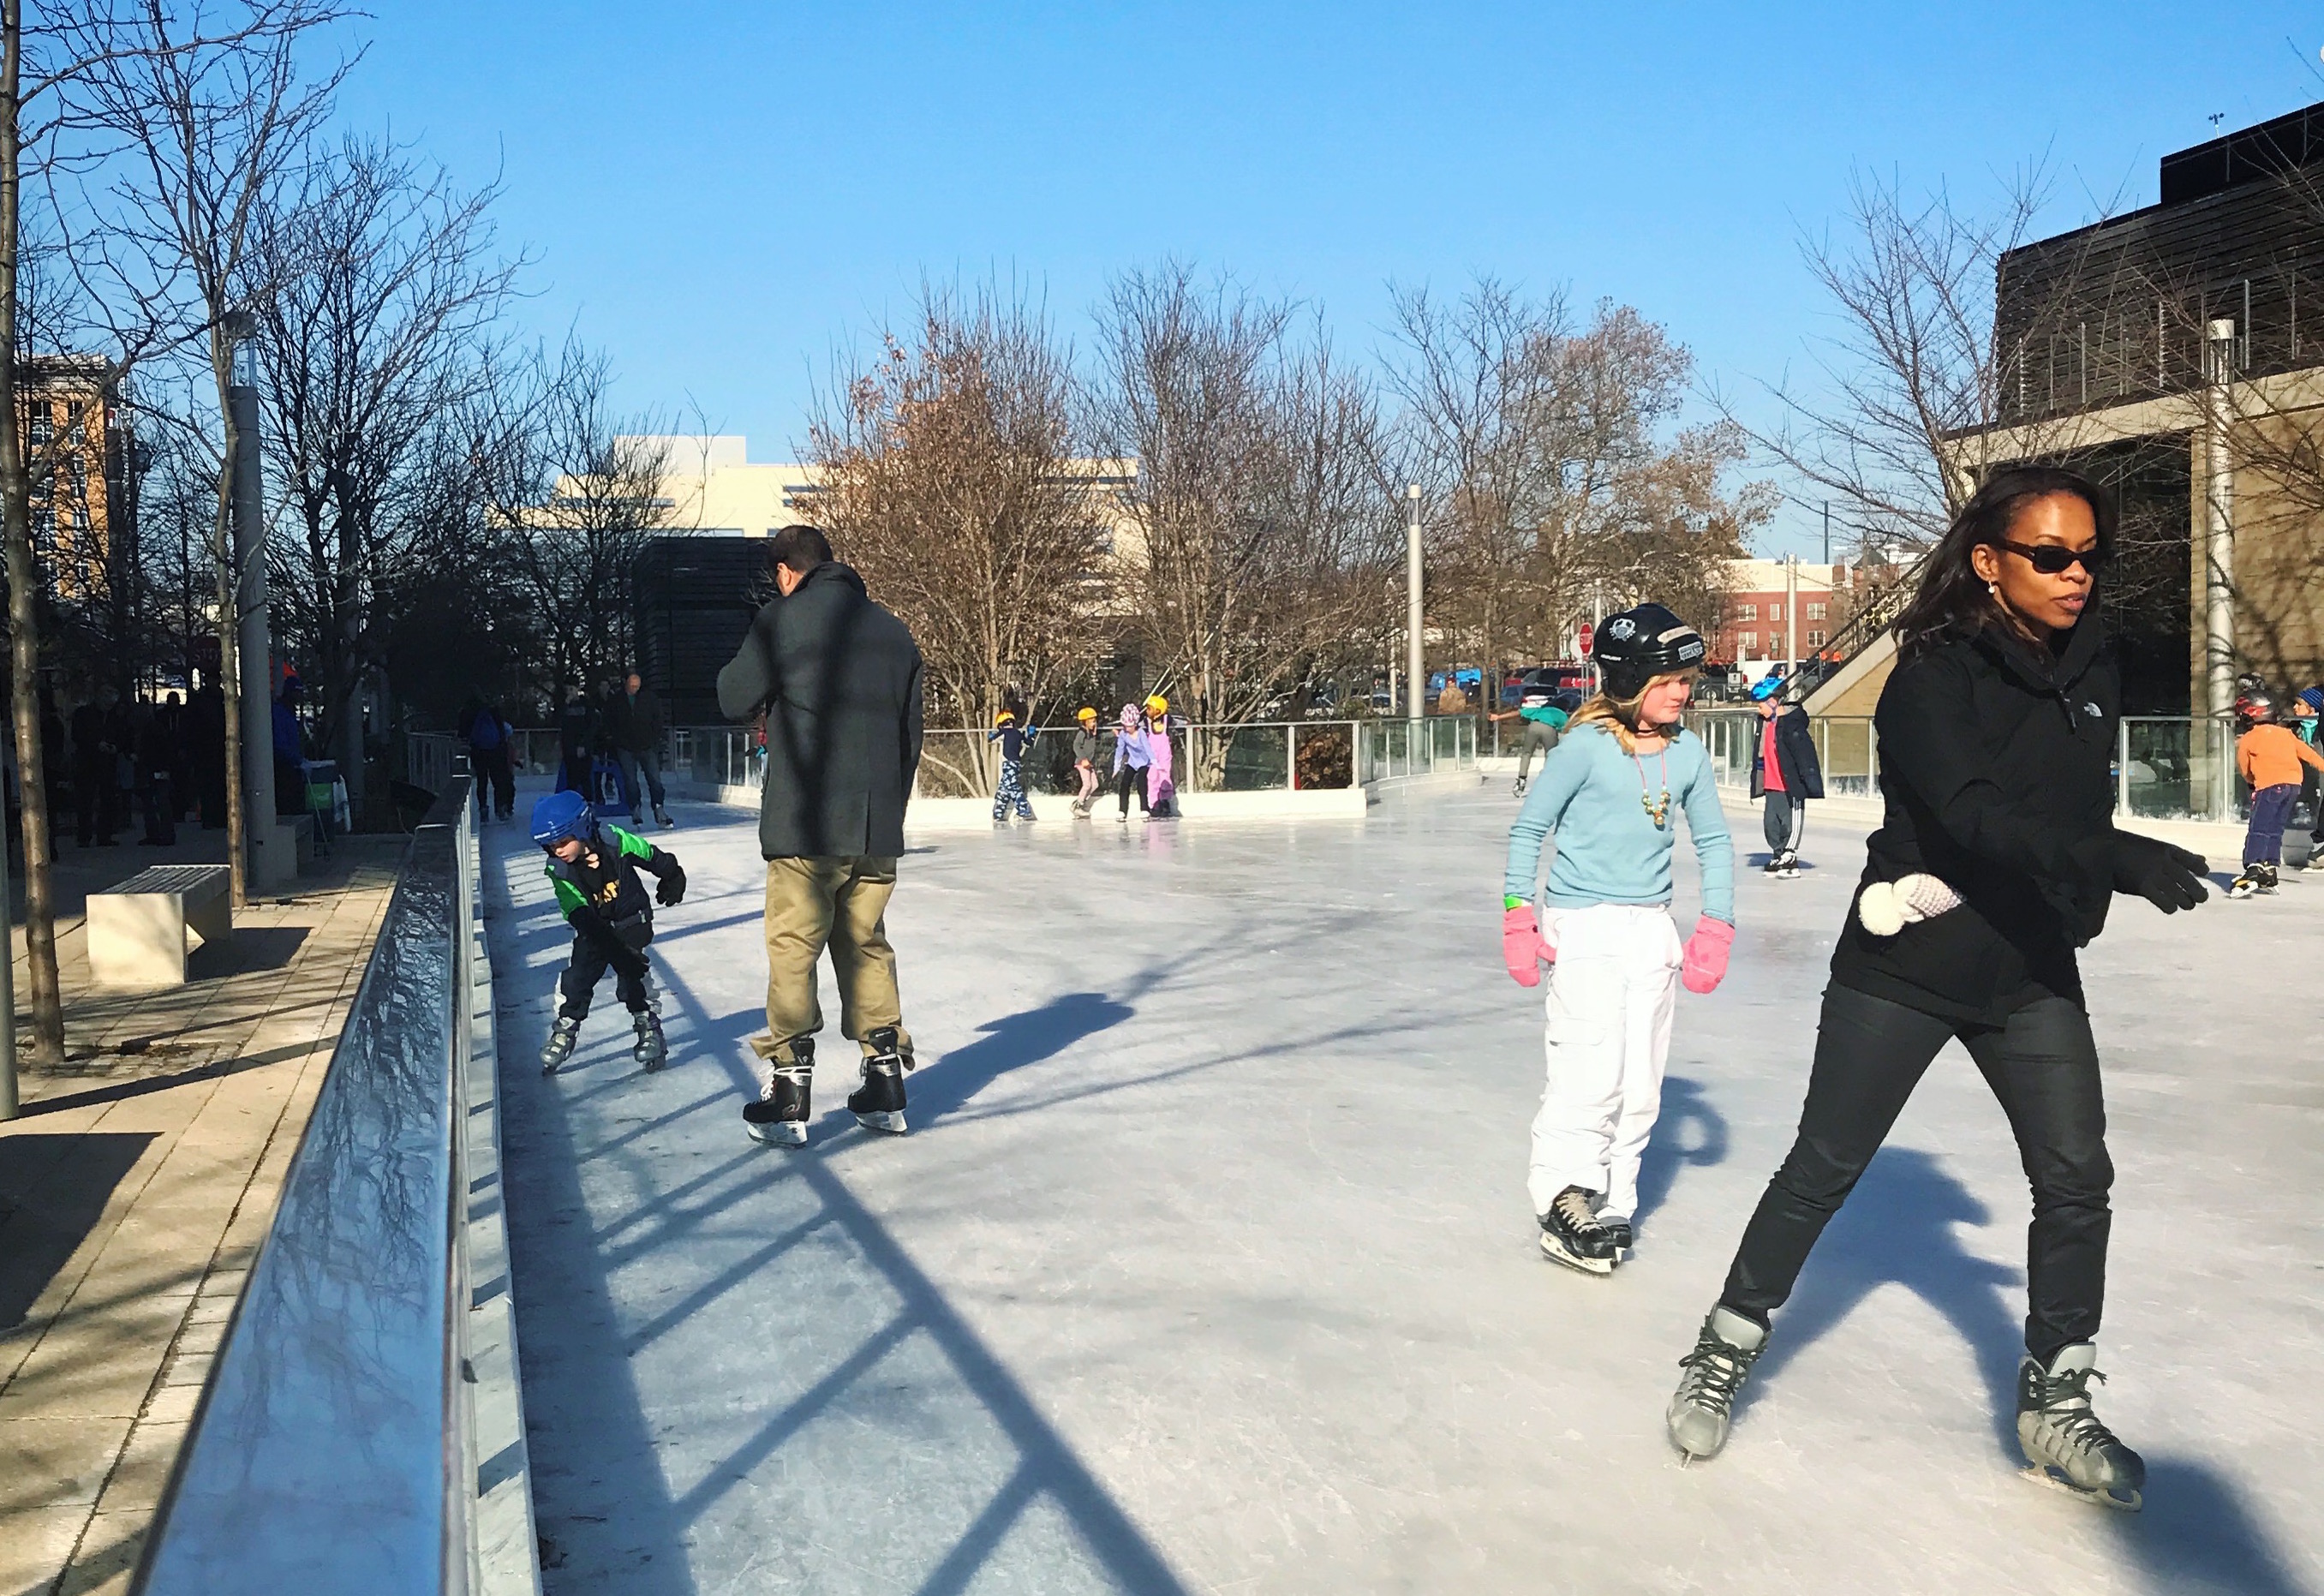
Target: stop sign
x,y
1585,640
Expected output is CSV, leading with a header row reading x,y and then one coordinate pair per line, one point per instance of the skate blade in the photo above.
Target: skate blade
x,y
890,1121
548,1068
653,1065
778,1132
1551,1251
2131,1503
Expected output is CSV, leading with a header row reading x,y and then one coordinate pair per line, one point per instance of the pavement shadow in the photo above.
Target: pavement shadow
x,y
260,947
1010,1042
1901,1225
53,1194
1690,1133
2196,1536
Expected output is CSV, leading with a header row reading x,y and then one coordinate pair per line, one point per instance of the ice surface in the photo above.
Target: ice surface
x,y
1207,1265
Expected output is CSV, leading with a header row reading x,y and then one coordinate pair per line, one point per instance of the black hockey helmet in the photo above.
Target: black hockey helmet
x,y
2255,705
1633,648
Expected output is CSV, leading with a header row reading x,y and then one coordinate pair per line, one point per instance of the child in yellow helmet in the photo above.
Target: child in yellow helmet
x,y
1085,753
1010,792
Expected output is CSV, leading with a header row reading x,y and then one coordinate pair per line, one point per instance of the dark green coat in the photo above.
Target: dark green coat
x,y
839,680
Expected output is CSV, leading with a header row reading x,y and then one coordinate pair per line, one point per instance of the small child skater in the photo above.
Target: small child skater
x,y
1012,789
1086,748
1607,791
2269,755
595,872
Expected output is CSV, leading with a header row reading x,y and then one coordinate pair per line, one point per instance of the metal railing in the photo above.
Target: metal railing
x,y
2165,767
1386,750
361,1430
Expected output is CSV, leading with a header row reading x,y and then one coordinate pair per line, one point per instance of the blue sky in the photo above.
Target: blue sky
x,y
721,195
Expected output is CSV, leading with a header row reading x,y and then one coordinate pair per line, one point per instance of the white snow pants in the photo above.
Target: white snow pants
x,y
1612,994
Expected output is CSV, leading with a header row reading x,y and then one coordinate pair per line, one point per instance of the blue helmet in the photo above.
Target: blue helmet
x,y
1767,687
563,815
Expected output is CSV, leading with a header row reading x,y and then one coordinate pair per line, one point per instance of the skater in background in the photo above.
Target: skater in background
x,y
577,744
1996,737
488,733
1611,793
1085,751
633,726
1784,773
1131,755
2270,756
1009,790
1161,790
836,679
1543,718
2306,709
593,872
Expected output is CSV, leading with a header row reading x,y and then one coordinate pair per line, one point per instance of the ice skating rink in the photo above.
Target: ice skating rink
x,y
1208,1267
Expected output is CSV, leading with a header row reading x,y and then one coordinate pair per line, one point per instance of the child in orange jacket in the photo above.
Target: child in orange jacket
x,y
2269,756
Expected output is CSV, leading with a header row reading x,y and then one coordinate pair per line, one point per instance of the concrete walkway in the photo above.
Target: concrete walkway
x,y
135,1190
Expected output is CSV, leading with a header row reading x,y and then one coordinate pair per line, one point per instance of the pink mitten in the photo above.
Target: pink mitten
x,y
1522,948
1705,965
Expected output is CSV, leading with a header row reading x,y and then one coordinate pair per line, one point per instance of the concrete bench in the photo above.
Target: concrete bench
x,y
140,930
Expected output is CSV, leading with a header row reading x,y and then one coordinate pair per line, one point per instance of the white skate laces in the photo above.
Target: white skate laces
x,y
1886,907
1713,1377
2064,1438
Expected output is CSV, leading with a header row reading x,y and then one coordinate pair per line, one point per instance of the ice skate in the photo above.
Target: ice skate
x,y
2315,859
560,1046
779,1116
2267,879
1787,865
1700,1408
1571,1235
2245,885
878,1104
2063,1440
1518,790
662,815
650,1050
1774,866
1620,1235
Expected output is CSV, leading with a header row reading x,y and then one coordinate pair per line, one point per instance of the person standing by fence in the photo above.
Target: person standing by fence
x,y
1784,773
838,680
633,725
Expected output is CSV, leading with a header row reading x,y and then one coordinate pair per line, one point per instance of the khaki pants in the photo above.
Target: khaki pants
x,y
812,903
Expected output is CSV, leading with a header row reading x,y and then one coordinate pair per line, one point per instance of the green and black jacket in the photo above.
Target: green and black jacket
x,y
601,887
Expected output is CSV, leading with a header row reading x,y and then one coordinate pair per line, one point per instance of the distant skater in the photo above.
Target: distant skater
x,y
1130,758
1611,793
1008,791
1085,753
1785,775
2270,756
1995,859
1161,789
1543,719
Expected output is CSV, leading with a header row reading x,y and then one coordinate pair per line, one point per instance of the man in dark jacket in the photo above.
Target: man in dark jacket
x,y
838,680
633,725
1786,774
577,731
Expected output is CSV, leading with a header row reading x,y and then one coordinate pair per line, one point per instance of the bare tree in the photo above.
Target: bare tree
x,y
576,491
208,134
948,475
1260,504
384,283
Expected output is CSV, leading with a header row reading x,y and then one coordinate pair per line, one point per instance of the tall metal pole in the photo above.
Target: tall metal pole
x,y
1792,614
1416,684
265,869
2219,559
1827,532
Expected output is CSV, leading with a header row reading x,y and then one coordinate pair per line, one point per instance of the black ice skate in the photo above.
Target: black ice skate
x,y
2245,885
1787,865
1518,791
1619,1234
2315,859
652,1050
1571,1235
878,1104
2267,878
662,815
1699,1411
560,1046
2063,1440
780,1114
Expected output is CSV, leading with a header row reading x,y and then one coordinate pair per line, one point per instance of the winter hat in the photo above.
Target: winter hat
x,y
2313,697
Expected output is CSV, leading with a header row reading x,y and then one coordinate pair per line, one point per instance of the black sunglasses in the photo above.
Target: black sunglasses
x,y
2051,559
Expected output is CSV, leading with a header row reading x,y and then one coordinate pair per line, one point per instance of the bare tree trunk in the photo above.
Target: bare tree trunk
x,y
229,624
24,588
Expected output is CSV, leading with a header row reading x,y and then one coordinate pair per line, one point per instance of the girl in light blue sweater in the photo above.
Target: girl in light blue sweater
x,y
1612,793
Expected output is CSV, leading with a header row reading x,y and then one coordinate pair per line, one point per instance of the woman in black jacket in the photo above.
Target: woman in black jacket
x,y
1998,843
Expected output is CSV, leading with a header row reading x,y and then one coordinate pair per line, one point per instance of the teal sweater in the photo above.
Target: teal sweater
x,y
1608,848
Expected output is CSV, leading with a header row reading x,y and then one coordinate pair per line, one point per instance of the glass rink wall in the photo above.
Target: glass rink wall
x,y
363,1429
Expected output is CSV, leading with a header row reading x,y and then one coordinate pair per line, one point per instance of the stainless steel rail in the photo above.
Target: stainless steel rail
x,y
337,1448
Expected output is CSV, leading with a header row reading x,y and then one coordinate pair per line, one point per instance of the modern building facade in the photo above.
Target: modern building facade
x,y
67,409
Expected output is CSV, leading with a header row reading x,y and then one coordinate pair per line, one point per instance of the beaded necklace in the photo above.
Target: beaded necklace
x,y
1658,810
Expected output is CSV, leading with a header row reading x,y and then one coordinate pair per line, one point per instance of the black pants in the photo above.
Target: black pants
x,y
588,967
1130,778
160,809
490,766
1870,1053
93,783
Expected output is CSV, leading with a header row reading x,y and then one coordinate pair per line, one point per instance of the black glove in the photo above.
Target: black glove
x,y
671,888
2170,877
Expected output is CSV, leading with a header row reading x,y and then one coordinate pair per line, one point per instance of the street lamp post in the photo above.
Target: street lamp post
x,y
1416,684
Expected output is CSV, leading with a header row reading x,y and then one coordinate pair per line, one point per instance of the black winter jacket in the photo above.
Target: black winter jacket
x,y
1795,752
1996,769
633,725
839,679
